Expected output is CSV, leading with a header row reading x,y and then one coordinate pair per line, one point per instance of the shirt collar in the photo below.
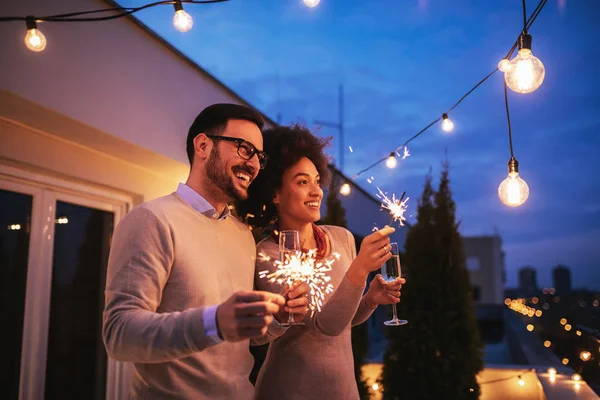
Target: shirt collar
x,y
199,203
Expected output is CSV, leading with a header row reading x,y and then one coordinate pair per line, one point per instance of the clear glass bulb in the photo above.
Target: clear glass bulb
x,y
525,72
521,382
345,189
35,40
391,162
182,21
513,191
447,125
311,3
503,65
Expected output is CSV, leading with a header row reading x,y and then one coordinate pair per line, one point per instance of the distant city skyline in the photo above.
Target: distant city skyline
x,y
402,65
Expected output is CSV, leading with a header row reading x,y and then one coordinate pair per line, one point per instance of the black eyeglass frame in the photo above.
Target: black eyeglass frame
x,y
247,147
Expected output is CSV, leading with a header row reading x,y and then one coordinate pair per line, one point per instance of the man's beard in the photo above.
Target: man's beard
x,y
218,175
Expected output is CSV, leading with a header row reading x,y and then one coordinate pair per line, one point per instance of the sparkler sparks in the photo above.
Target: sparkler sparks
x,y
303,267
396,207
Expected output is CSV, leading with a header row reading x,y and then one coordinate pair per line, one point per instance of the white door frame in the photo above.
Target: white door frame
x,y
46,190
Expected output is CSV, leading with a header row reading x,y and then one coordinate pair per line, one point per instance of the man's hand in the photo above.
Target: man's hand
x,y
247,315
296,302
382,292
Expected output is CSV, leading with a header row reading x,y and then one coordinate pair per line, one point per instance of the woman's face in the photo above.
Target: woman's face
x,y
299,198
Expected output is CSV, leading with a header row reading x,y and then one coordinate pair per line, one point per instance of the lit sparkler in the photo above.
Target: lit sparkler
x,y
396,207
303,267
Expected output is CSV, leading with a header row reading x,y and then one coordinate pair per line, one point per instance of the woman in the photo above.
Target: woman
x,y
313,361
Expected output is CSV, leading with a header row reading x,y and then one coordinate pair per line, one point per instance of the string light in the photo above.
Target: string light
x,y
521,381
576,377
563,321
585,355
311,3
447,124
547,343
345,189
530,328
525,73
568,327
182,21
391,161
34,39
513,191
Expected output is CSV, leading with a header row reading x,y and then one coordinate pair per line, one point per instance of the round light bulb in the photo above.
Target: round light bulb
x,y
525,73
576,377
552,371
391,161
521,382
345,189
311,3
585,355
182,21
447,124
513,191
503,65
35,40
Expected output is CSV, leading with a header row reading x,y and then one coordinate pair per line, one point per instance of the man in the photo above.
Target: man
x,y
179,299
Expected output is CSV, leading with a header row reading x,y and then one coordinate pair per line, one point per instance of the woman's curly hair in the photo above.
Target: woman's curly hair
x,y
285,146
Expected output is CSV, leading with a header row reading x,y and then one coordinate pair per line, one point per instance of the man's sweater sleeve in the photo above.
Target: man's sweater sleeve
x,y
139,265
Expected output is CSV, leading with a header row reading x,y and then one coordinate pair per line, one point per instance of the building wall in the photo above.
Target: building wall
x,y
110,75
485,261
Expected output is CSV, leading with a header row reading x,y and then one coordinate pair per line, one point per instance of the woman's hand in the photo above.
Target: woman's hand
x,y
374,252
382,292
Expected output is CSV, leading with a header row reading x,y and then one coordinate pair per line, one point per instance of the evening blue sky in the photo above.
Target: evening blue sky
x,y
402,64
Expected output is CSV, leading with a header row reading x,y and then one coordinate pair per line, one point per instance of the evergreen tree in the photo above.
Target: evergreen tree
x,y
438,354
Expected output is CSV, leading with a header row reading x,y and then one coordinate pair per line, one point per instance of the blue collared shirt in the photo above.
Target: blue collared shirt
x,y
200,204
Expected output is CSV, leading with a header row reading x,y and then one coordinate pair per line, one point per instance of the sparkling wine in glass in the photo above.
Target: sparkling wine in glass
x,y
289,244
391,271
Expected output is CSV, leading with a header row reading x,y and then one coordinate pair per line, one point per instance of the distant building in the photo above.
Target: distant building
x,y
485,262
561,279
528,281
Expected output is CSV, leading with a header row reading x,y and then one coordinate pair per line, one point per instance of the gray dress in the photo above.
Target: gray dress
x,y
315,361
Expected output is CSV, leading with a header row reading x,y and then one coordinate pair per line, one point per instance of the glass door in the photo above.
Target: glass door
x,y
54,247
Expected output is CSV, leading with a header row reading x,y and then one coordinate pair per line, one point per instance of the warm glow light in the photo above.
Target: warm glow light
x,y
35,40
507,301
182,21
585,355
375,386
538,313
565,361
311,3
578,332
535,300
552,371
577,386
521,382
391,161
14,227
524,73
576,377
345,189
567,327
503,65
530,328
563,321
547,343
447,124
513,191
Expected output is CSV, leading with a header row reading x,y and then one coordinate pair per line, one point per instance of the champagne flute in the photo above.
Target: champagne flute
x,y
390,271
289,244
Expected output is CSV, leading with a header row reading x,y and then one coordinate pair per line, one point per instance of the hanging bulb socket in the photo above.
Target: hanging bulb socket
x,y
513,166
30,22
525,40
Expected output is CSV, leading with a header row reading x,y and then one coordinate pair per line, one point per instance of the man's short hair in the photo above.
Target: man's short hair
x,y
213,120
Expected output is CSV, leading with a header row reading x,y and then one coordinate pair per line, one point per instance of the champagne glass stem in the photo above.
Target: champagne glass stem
x,y
394,311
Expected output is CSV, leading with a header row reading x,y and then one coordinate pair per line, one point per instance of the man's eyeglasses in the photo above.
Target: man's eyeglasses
x,y
245,149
